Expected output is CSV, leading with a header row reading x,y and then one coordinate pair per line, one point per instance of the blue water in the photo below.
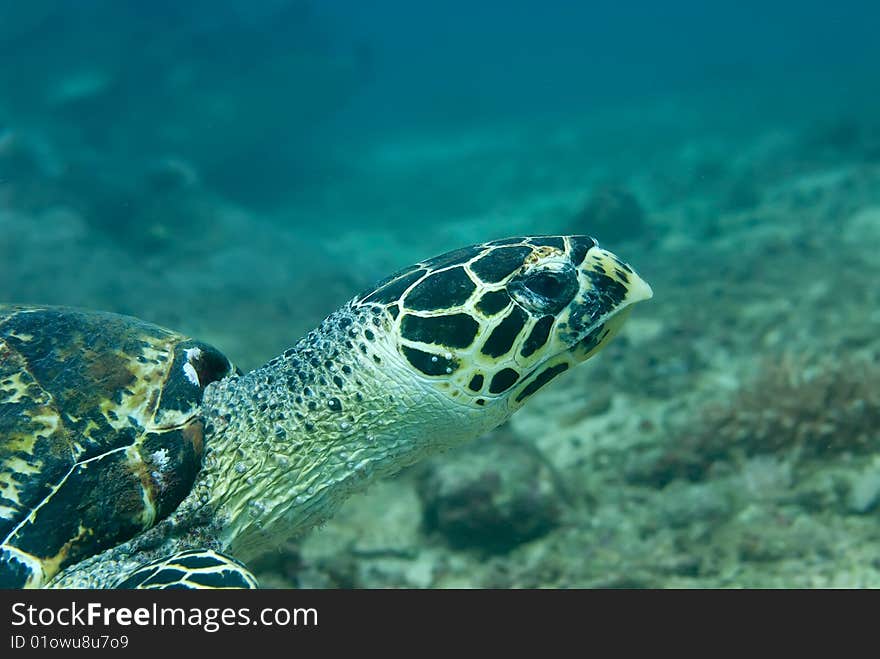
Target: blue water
x,y
237,170
295,85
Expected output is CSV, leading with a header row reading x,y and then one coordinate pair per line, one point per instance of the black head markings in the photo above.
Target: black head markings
x,y
453,330
548,241
455,257
540,380
624,266
501,339
499,263
428,363
580,245
609,290
503,380
538,336
447,288
493,302
389,290
506,241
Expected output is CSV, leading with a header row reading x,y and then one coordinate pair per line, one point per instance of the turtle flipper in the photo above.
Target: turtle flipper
x,y
192,569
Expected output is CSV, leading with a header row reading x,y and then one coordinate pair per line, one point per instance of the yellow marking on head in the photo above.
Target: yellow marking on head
x,y
540,253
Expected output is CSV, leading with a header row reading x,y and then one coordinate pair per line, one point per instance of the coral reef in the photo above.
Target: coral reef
x,y
810,412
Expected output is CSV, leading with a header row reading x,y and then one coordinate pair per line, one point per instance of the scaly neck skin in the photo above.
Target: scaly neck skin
x,y
292,439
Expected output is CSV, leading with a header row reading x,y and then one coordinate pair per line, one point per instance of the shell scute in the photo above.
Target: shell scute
x,y
100,432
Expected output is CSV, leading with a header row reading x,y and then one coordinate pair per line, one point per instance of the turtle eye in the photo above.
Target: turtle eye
x,y
545,284
545,291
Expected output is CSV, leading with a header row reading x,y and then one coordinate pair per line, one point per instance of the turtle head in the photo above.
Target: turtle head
x,y
490,324
432,356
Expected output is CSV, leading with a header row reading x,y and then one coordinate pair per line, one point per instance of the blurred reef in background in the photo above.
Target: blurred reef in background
x,y
237,172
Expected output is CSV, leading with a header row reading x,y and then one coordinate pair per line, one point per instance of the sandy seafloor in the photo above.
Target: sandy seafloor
x,y
728,437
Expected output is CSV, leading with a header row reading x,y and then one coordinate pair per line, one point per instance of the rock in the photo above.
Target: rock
x,y
493,495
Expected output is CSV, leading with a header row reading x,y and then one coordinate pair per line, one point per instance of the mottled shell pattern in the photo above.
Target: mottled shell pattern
x,y
100,433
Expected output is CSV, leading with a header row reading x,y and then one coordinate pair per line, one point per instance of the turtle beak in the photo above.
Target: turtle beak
x,y
609,289
604,267
639,290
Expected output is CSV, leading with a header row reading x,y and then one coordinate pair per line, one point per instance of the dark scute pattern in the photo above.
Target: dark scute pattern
x,y
501,340
427,363
73,356
182,571
503,380
548,241
72,353
165,576
172,479
455,257
453,330
222,579
538,336
196,561
389,290
441,290
493,302
476,383
506,241
52,454
540,380
580,245
136,578
104,495
499,263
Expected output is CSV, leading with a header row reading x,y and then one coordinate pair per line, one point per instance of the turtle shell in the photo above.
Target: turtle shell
x,y
100,433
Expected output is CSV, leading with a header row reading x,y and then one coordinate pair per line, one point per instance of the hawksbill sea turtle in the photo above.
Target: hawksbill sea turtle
x,y
134,457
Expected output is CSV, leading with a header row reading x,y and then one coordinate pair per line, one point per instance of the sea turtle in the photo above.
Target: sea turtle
x,y
134,457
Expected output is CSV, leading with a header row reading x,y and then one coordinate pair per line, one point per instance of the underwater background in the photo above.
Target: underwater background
x,y
236,171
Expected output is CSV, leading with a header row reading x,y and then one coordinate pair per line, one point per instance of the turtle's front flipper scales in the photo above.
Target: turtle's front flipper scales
x,y
193,569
